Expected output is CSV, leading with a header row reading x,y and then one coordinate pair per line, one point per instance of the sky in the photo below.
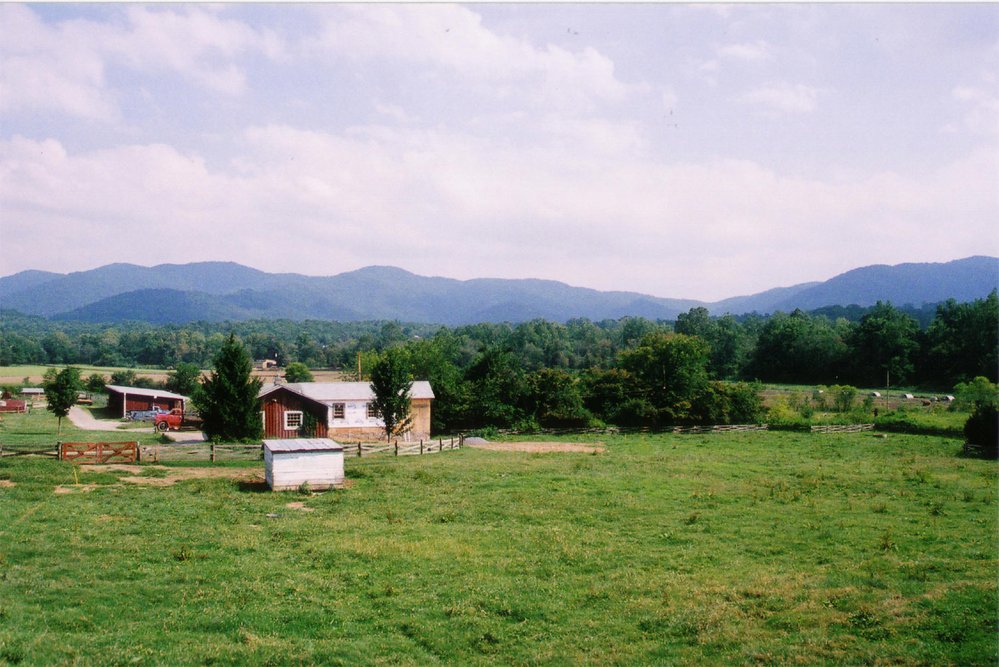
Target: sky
x,y
690,151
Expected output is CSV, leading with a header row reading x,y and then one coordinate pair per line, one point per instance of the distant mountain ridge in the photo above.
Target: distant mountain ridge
x,y
219,291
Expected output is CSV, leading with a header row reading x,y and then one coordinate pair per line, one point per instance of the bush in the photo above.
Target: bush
x,y
724,403
843,397
782,417
982,430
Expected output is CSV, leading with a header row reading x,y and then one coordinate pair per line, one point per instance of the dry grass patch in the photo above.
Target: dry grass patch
x,y
174,475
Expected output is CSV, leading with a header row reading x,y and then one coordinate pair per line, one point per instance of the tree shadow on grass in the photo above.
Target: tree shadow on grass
x,y
253,486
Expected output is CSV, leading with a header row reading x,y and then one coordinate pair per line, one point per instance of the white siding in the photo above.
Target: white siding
x,y
286,471
355,415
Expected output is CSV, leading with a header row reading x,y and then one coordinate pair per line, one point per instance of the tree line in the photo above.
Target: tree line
x,y
874,346
625,372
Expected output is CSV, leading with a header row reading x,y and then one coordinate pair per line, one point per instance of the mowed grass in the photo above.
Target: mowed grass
x,y
740,548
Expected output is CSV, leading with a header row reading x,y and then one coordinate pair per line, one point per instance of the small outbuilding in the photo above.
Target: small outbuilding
x,y
317,462
122,400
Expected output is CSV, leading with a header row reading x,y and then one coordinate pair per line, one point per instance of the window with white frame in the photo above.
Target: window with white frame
x,y
292,420
372,411
338,411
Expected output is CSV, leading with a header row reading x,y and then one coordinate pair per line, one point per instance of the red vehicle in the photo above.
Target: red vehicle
x,y
175,419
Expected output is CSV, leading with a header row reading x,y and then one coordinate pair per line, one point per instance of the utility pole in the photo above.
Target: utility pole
x,y
359,378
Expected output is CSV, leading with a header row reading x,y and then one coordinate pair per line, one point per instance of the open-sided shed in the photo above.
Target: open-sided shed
x,y
122,400
317,462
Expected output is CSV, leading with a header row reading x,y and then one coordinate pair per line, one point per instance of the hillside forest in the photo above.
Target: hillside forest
x,y
630,371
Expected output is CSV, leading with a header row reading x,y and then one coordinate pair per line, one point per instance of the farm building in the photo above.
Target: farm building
x,y
123,400
13,405
317,462
33,393
344,409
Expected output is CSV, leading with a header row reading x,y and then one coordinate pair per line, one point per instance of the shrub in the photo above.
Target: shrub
x,y
843,397
969,394
724,403
982,430
782,417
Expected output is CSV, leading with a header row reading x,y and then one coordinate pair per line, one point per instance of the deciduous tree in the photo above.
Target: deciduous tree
x,y
391,381
61,392
671,370
296,371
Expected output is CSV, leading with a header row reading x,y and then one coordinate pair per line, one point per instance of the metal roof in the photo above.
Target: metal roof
x,y
332,392
303,445
142,391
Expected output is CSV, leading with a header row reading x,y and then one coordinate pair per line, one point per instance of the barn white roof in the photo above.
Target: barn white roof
x,y
303,445
333,392
142,391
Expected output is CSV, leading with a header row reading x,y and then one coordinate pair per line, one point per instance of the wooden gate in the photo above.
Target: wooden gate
x,y
99,452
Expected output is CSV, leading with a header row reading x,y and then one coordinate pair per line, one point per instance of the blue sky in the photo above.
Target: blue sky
x,y
699,151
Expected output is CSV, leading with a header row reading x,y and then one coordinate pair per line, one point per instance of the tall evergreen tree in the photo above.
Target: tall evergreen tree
x,y
228,400
61,391
391,381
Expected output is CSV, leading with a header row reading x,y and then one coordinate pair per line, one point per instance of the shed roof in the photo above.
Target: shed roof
x,y
32,390
331,392
303,445
142,391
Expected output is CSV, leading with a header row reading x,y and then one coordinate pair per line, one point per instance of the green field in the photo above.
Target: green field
x,y
769,548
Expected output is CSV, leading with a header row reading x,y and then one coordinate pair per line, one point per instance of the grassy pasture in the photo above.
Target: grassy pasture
x,y
736,548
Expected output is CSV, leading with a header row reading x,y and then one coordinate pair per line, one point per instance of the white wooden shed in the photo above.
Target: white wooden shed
x,y
290,463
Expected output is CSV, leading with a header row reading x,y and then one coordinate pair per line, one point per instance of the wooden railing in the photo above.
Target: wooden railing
x,y
99,452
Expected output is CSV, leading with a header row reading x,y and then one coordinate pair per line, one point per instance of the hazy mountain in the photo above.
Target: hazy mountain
x,y
217,291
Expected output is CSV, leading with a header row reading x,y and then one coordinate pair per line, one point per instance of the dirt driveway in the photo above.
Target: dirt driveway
x,y
85,420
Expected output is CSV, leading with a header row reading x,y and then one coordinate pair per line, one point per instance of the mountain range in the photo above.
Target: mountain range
x,y
219,291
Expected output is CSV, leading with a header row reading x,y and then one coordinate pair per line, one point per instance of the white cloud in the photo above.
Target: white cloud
x,y
63,66
783,97
748,51
982,108
454,38
443,203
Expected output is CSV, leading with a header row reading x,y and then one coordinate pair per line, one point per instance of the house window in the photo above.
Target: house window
x,y
292,420
338,412
372,411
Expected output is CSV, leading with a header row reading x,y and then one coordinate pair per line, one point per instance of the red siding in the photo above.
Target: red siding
x,y
278,402
140,403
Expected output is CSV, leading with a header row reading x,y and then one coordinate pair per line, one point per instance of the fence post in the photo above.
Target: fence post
x,y
138,452
440,445
421,446
397,447
212,454
59,450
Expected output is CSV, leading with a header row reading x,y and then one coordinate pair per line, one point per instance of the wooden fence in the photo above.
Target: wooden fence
x,y
724,428
31,450
205,451
841,428
99,452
